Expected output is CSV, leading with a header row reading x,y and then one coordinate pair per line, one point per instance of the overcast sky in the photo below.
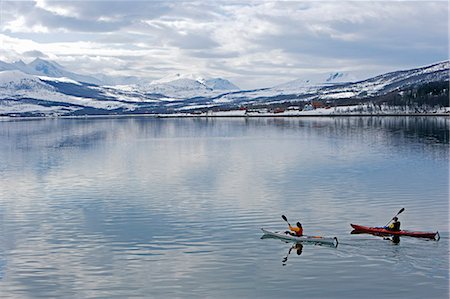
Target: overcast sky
x,y
252,43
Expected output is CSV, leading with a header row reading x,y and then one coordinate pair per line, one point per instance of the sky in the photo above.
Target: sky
x,y
251,43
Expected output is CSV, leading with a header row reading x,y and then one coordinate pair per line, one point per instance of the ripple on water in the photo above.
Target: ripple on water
x,y
146,208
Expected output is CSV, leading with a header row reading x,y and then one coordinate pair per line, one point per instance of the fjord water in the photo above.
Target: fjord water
x,y
172,208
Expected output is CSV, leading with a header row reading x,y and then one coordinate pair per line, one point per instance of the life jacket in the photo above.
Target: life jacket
x,y
297,230
395,226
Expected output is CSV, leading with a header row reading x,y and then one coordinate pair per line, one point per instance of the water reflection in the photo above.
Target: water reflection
x,y
297,247
77,132
395,239
2,267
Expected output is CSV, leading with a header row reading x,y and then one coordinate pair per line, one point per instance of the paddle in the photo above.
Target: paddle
x,y
285,219
399,212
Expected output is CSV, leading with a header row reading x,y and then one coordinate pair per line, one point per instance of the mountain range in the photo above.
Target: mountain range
x,y
43,88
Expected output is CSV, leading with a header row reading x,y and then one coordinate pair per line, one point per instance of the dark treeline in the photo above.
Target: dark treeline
x,y
430,94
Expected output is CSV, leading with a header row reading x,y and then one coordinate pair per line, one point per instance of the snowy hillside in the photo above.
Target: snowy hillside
x,y
52,69
220,84
24,93
182,86
308,82
15,82
28,94
46,68
306,90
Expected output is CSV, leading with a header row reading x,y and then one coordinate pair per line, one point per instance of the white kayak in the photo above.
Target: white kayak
x,y
308,239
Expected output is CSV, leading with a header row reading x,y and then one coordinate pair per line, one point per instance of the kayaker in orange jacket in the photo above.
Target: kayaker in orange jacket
x,y
296,230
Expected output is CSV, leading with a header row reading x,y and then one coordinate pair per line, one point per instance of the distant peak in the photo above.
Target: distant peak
x,y
220,83
179,76
40,61
334,76
19,62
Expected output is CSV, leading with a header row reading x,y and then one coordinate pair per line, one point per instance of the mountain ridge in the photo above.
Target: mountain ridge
x,y
18,91
48,68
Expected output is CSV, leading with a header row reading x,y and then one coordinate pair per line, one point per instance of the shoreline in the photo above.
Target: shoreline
x,y
105,116
307,115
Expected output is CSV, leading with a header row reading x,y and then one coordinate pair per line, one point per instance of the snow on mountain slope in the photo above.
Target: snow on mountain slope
x,y
320,79
4,66
52,69
182,86
391,81
37,93
307,90
13,83
61,79
180,89
220,84
174,86
174,77
22,92
43,67
18,65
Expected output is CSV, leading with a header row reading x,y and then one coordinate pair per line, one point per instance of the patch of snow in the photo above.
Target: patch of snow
x,y
220,84
61,79
169,99
339,95
174,77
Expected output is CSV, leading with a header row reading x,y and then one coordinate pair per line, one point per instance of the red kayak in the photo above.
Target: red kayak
x,y
383,231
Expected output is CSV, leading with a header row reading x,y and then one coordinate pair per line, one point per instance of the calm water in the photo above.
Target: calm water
x,y
172,208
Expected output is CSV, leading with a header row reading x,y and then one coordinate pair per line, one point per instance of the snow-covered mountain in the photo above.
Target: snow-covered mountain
x,y
181,86
47,68
220,84
192,81
35,90
118,80
177,85
26,94
14,83
299,90
317,80
53,69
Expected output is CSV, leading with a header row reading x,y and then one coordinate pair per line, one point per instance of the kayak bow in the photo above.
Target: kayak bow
x,y
303,239
382,231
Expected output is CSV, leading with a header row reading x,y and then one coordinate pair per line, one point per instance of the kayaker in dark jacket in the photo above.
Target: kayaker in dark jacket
x,y
296,230
394,226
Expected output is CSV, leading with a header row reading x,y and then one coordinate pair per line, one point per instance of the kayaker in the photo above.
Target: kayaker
x,y
295,230
394,226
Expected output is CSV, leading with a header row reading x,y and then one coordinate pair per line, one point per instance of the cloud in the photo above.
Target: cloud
x,y
92,16
254,42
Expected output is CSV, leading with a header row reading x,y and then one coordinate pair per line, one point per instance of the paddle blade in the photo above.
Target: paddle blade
x,y
284,218
401,211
